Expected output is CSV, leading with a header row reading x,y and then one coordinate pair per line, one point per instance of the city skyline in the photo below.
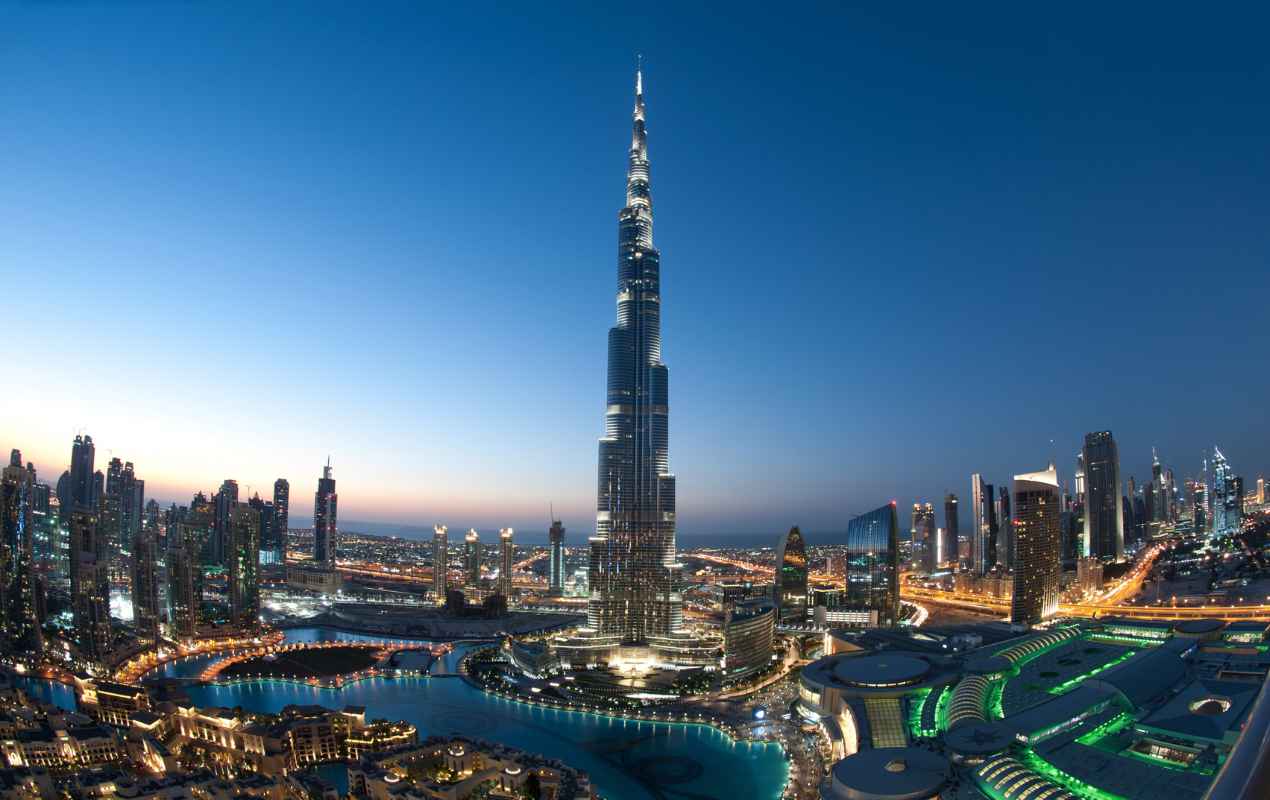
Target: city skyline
x,y
436,372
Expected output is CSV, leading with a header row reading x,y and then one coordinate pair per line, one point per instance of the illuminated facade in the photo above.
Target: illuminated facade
x,y
440,562
556,571
872,582
325,520
244,565
90,586
983,535
952,530
790,591
145,583
185,575
1104,504
925,542
1227,500
19,622
633,576
506,555
281,521
1037,536
472,557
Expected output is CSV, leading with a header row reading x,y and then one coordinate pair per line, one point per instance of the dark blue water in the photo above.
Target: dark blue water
x,y
626,760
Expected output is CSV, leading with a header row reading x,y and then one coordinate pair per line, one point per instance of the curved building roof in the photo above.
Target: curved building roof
x,y
846,671
893,773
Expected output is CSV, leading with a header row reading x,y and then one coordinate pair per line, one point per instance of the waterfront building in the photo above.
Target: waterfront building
x,y
281,519
325,523
218,545
872,581
555,574
440,563
635,597
1104,510
90,586
506,557
19,618
925,540
244,566
145,583
1037,536
952,530
749,631
790,589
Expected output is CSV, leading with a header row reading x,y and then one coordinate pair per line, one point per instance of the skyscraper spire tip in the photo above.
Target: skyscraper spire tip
x,y
639,73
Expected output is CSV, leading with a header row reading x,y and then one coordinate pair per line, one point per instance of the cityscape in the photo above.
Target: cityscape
x,y
1063,629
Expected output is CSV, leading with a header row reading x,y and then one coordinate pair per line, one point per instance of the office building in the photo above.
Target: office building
x,y
749,631
472,558
244,566
218,545
506,558
268,538
281,518
325,521
925,540
983,537
440,563
872,580
790,589
555,574
1104,505
1227,511
1036,529
20,619
952,531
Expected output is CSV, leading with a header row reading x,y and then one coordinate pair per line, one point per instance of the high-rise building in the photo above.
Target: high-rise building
x,y
268,538
186,539
131,505
925,542
325,525
1037,566
472,557
83,485
281,518
1261,491
983,537
244,565
1199,508
1227,513
790,590
1005,544
90,586
110,514
19,617
634,592
1159,493
1104,505
145,583
506,557
952,529
218,545
440,563
555,575
872,582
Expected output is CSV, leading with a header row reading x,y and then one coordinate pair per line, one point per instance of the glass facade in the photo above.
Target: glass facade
x,y
872,582
1037,537
791,576
1104,504
556,572
325,521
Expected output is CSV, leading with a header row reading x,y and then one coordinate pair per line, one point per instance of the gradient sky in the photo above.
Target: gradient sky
x,y
898,246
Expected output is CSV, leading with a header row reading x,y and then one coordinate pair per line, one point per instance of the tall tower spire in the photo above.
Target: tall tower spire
x,y
638,192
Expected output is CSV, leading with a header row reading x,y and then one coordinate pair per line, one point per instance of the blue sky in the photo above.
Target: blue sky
x,y
898,246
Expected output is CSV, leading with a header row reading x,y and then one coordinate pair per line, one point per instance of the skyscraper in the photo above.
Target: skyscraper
x,y
952,528
325,525
923,535
1227,513
90,586
244,565
634,594
506,555
185,577
983,538
1104,505
83,494
472,557
1037,542
19,618
218,545
145,583
268,539
440,563
872,581
131,505
281,518
555,538
790,590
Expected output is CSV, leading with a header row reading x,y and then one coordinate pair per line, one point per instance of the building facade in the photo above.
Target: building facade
x,y
1104,504
440,563
244,566
472,558
325,521
790,589
506,559
19,618
555,572
1037,537
872,581
281,519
